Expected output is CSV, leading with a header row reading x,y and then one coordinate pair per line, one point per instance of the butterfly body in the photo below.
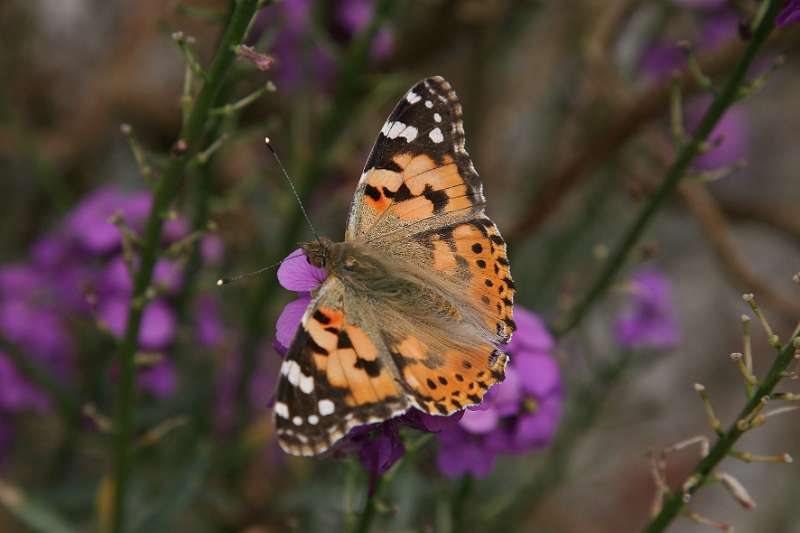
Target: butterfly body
x,y
418,297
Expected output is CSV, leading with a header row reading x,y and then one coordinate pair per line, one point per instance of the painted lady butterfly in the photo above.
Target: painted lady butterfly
x,y
418,296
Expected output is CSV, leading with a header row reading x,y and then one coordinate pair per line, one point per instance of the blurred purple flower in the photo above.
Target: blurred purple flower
x,y
89,223
650,320
158,321
730,138
378,447
16,394
701,4
209,328
790,14
160,380
297,54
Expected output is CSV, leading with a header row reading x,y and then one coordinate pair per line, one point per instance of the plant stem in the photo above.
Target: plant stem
x,y
343,108
166,189
458,507
724,99
723,446
368,514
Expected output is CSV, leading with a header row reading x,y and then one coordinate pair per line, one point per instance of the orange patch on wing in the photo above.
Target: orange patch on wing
x,y
462,378
490,285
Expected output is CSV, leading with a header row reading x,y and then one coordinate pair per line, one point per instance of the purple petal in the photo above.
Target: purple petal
x,y
790,14
480,421
19,281
158,321
537,429
434,424
508,394
158,325
297,274
377,454
539,374
211,248
289,321
160,380
168,275
466,456
208,323
16,393
531,332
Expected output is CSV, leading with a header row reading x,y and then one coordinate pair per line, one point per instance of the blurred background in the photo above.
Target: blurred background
x,y
567,114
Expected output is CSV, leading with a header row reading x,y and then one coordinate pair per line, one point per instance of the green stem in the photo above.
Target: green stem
x,y
166,189
368,514
724,99
724,445
458,508
345,101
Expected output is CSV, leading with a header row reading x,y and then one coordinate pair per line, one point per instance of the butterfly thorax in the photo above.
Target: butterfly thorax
x,y
362,269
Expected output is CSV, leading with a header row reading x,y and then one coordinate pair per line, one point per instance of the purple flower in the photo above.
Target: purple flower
x,y
158,321
296,274
730,138
378,446
160,380
790,14
518,415
16,394
650,318
209,328
701,4
89,223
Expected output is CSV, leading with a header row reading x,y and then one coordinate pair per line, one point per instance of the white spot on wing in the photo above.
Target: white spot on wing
x,y
436,135
297,421
428,104
306,384
326,407
437,117
313,420
410,133
294,373
413,97
395,130
386,127
281,409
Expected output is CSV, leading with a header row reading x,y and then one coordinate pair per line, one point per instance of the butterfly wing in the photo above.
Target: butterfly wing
x,y
336,375
421,199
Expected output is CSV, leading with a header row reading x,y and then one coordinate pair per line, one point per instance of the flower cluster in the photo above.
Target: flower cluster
x,y
518,415
296,48
730,139
78,275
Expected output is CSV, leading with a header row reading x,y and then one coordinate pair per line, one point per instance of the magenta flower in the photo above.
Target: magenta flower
x,y
701,4
790,14
518,415
298,275
90,225
649,321
159,380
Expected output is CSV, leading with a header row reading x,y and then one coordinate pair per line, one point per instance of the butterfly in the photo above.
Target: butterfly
x,y
419,295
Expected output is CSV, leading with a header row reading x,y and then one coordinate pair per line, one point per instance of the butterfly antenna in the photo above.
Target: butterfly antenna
x,y
225,281
292,187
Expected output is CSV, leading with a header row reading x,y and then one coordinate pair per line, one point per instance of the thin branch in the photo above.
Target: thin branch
x,y
650,104
727,96
706,210
189,143
724,446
